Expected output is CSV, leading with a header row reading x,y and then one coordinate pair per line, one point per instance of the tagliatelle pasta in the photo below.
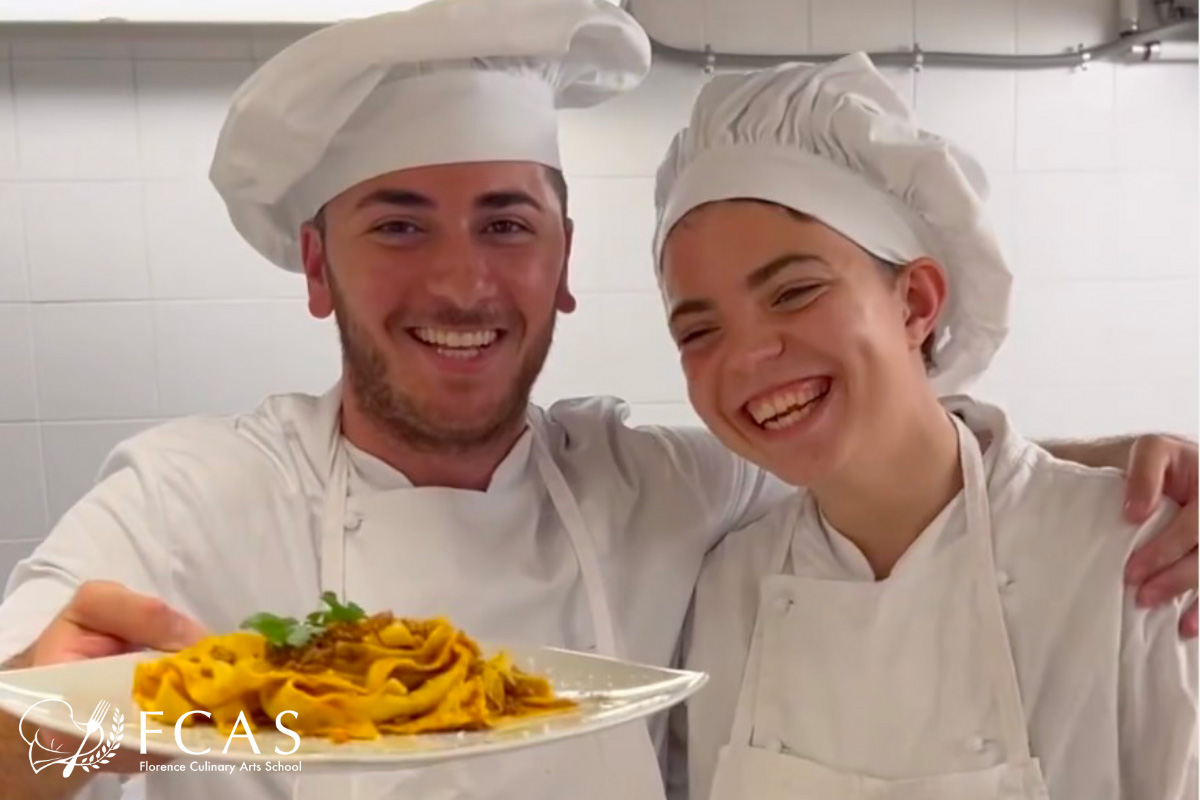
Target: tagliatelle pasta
x,y
347,677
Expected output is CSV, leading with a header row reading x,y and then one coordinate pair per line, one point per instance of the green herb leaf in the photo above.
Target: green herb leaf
x,y
274,629
289,632
300,635
341,613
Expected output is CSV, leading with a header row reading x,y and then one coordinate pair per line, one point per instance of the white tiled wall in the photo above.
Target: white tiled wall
x,y
1065,120
125,296
76,119
85,241
838,26
978,26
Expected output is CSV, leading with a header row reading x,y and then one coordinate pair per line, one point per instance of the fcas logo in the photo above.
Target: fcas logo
x,y
102,734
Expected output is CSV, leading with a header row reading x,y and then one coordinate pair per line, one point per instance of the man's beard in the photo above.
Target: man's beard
x,y
401,415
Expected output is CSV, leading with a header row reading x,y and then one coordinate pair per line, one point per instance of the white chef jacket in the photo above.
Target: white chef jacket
x,y
1109,689
219,517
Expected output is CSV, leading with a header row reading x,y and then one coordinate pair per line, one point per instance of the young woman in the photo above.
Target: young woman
x,y
942,615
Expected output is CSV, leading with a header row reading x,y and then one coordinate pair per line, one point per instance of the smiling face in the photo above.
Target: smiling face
x,y
445,282
800,349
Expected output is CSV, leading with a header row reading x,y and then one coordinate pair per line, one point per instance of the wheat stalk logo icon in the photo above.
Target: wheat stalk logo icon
x,y
46,750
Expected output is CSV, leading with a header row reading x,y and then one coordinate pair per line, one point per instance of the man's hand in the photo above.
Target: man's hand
x,y
106,619
102,619
1166,566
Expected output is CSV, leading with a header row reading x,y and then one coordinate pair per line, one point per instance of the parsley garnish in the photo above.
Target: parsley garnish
x,y
290,632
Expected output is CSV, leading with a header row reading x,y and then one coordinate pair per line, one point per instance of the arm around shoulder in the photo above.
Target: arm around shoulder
x,y
1157,699
737,491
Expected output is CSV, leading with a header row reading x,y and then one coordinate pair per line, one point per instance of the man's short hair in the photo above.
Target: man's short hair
x,y
558,184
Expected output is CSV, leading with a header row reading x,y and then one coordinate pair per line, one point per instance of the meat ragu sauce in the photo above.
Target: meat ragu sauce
x,y
339,647
346,675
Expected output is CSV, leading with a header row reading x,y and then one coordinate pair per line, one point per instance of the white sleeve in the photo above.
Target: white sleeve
x,y
110,534
1156,703
739,491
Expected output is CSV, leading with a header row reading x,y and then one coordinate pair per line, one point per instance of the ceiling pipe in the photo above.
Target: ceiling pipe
x,y
1142,46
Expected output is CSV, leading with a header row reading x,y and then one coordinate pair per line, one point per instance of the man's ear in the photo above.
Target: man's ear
x,y
923,290
564,300
316,271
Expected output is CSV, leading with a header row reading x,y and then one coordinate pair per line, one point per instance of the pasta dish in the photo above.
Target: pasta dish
x,y
346,675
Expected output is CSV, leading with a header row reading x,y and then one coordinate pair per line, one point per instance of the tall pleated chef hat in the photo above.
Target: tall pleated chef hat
x,y
838,143
449,81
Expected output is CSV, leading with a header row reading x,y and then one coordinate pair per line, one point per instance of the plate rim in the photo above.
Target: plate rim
x,y
676,686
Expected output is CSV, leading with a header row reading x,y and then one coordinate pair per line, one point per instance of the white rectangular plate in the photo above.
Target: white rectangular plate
x,y
610,693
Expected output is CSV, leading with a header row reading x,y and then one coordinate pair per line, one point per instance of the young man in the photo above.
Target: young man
x,y
408,166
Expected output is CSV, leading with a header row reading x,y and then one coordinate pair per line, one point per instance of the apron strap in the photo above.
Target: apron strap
x,y
1013,724
628,752
585,548
743,719
333,522
332,571
779,553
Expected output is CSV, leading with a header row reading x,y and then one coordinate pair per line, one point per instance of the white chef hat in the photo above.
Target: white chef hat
x,y
450,81
838,143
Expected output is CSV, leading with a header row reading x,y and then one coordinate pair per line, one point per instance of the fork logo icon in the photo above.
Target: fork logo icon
x,y
89,753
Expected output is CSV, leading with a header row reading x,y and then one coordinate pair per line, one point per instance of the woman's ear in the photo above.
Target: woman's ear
x,y
923,289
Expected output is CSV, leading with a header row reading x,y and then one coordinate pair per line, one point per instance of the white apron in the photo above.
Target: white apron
x,y
910,676
623,758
